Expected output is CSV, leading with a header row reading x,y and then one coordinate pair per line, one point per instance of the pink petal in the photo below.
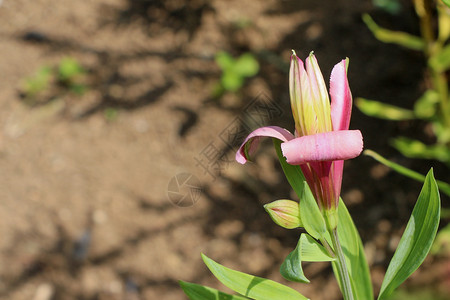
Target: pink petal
x,y
341,97
251,142
326,146
338,168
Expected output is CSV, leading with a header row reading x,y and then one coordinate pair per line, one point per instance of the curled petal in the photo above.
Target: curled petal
x,y
251,142
327,146
341,97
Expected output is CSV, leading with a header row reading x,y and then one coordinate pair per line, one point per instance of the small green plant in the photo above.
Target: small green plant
x,y
49,82
37,83
234,71
111,114
71,73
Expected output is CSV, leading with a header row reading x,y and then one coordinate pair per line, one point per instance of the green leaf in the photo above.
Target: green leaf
x,y
417,149
293,173
425,106
246,65
251,286
69,68
310,214
446,2
354,254
231,81
391,6
396,37
224,60
385,111
441,61
443,186
307,249
200,292
417,238
39,82
441,130
291,268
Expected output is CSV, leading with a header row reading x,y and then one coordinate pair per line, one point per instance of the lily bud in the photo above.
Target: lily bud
x,y
285,213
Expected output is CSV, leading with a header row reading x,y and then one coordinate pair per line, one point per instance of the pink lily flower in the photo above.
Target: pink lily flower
x,y
322,138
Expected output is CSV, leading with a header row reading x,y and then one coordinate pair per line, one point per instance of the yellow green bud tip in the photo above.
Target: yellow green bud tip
x,y
285,213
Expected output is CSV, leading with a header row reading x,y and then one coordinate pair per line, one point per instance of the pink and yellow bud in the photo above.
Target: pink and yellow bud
x,y
285,213
309,97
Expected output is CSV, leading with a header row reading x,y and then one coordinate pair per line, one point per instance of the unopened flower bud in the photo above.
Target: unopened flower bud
x,y
285,213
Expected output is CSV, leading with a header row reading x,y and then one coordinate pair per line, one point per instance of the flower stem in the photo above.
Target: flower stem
x,y
342,267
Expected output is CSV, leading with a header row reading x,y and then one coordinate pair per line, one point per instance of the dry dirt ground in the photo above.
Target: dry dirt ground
x,y
90,206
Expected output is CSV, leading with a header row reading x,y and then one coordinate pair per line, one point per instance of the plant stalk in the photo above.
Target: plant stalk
x,y
342,267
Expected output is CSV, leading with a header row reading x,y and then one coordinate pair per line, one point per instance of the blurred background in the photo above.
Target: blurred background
x,y
119,120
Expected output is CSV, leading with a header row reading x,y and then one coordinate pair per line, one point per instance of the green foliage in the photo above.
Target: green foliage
x,y
443,186
68,75
38,82
396,37
354,254
235,70
446,2
425,106
383,111
200,292
312,218
251,286
111,114
417,239
433,106
391,6
307,249
69,69
441,61
416,149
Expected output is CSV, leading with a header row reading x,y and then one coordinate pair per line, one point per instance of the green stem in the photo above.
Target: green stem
x,y
342,267
432,48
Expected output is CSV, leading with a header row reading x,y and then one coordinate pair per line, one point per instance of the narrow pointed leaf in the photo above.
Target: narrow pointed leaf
x,y
416,149
310,214
417,239
354,255
251,286
396,37
200,292
308,249
443,186
382,110
293,173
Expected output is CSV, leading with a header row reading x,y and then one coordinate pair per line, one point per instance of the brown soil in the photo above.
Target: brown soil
x,y
85,211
